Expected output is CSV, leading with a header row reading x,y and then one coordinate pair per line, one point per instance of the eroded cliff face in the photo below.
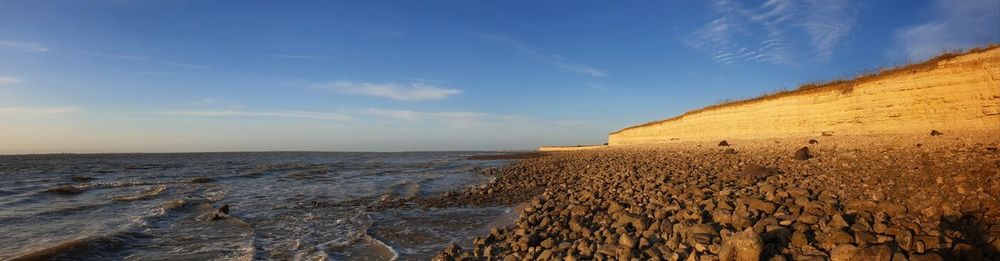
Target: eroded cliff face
x,y
959,93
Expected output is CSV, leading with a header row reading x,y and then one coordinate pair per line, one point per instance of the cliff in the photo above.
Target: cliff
x,y
950,92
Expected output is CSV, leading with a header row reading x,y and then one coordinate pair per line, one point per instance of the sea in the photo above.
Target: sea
x,y
280,206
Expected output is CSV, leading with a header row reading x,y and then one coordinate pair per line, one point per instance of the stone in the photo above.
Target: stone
x,y
545,255
904,239
967,252
926,257
723,143
799,239
808,219
758,204
838,236
627,241
843,252
548,243
874,253
221,213
615,207
803,154
838,221
742,246
813,142
729,151
936,133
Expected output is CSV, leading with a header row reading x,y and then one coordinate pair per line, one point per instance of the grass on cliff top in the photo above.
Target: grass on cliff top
x,y
842,84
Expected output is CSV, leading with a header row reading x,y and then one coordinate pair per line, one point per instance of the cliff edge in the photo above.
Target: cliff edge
x,y
949,92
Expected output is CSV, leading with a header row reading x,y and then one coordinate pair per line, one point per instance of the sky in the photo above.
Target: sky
x,y
186,76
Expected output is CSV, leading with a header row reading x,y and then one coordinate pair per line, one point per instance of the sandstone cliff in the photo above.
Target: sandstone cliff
x,y
952,92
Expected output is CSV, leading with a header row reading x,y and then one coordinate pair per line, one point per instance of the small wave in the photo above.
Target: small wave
x,y
151,193
408,190
82,178
83,246
68,189
200,180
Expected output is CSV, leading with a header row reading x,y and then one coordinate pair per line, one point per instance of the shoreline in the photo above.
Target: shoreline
x,y
879,196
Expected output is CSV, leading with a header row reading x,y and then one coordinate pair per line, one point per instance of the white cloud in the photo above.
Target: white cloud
x,y
767,33
148,59
957,24
35,111
24,46
8,80
552,58
280,114
414,91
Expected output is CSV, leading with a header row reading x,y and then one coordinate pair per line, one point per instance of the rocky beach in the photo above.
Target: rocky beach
x,y
861,197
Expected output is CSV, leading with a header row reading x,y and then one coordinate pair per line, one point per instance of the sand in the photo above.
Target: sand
x,y
866,197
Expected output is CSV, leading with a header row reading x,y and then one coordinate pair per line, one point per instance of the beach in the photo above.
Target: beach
x,y
852,197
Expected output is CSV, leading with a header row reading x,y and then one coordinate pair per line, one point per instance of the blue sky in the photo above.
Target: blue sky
x,y
158,76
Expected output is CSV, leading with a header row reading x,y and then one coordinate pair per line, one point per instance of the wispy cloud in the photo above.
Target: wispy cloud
x,y
420,115
36,111
413,91
280,114
23,46
767,33
298,56
148,60
8,80
554,59
956,24
466,118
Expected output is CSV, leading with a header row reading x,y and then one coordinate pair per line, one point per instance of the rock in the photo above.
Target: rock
x,y
936,133
615,207
808,219
800,239
742,246
627,241
723,143
843,252
758,204
926,257
222,212
874,253
729,151
548,243
838,236
904,239
838,221
803,154
967,252
813,142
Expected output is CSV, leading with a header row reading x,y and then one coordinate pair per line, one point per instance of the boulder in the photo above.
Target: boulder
x,y
803,154
742,246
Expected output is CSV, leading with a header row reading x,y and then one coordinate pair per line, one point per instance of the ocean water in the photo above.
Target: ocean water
x,y
282,205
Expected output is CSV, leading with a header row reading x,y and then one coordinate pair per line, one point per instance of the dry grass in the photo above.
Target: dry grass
x,y
843,84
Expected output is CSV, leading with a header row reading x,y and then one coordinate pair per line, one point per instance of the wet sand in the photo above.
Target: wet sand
x,y
871,197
